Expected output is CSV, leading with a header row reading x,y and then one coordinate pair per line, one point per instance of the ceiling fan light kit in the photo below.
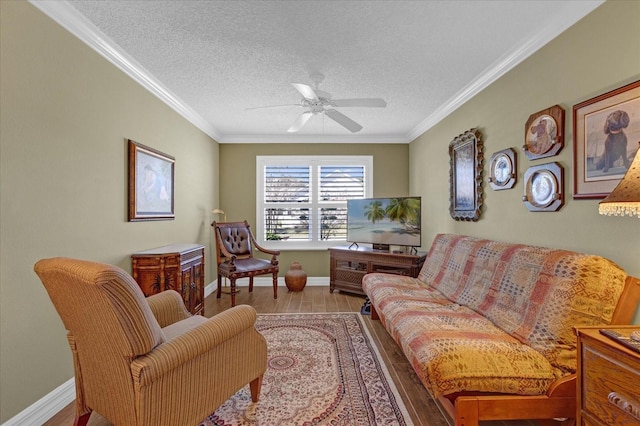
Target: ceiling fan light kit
x,y
319,102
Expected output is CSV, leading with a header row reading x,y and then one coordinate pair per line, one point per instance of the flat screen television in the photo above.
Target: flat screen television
x,y
384,222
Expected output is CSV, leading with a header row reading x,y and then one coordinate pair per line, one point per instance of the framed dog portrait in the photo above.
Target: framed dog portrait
x,y
151,178
465,176
606,133
544,133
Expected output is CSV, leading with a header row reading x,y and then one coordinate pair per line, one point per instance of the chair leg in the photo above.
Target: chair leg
x,y
219,293
250,284
275,285
255,385
82,419
233,292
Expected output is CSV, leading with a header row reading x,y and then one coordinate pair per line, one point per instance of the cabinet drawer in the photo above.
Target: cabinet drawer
x,y
610,389
195,255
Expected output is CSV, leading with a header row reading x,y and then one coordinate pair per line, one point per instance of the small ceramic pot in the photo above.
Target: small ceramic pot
x,y
295,278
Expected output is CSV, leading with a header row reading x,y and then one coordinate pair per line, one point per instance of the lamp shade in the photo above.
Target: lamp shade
x,y
625,198
220,211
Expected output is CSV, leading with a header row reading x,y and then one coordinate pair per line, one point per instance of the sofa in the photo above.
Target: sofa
x,y
488,326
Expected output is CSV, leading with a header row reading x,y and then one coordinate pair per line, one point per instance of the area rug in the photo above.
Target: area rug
x,y
322,369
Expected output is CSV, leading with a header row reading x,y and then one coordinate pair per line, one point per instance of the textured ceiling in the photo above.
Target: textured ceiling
x,y
211,60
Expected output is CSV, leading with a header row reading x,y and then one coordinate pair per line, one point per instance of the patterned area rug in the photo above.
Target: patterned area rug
x,y
322,369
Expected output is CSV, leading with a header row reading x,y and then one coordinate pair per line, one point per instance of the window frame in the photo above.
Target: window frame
x,y
262,161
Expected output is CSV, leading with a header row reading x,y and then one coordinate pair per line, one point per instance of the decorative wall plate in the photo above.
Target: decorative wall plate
x,y
544,133
543,190
502,169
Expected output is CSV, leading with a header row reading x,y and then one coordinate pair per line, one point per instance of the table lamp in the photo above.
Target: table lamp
x,y
625,198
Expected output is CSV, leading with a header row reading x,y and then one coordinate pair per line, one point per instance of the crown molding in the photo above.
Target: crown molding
x,y
390,139
557,24
69,18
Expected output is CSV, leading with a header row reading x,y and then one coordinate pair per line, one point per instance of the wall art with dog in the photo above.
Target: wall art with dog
x,y
544,133
606,138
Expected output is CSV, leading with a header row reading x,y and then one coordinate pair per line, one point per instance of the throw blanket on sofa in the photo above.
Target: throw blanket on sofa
x,y
494,317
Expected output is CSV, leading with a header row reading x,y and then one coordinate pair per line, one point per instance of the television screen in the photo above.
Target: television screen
x,y
384,221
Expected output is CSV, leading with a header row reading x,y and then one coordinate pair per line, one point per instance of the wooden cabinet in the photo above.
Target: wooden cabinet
x,y
347,266
177,267
608,379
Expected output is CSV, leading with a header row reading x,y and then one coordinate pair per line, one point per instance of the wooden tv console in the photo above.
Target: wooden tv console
x,y
347,266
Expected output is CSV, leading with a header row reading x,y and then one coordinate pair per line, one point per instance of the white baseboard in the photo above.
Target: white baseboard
x,y
46,407
265,281
51,404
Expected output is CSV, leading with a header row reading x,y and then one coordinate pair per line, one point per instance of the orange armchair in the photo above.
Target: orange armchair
x,y
148,361
234,256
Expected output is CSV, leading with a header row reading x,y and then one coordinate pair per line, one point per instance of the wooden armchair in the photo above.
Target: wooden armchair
x,y
148,361
234,255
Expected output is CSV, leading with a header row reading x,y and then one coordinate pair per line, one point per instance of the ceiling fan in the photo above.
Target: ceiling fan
x,y
319,102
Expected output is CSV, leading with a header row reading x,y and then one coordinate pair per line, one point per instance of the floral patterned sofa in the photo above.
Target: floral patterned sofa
x,y
488,325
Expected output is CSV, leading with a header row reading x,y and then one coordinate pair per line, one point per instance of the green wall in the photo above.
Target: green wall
x,y
598,54
66,113
238,188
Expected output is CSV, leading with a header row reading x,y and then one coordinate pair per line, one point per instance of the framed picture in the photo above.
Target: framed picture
x,y
543,188
502,169
465,176
151,178
606,133
544,133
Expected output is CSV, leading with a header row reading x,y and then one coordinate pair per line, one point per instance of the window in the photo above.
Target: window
x,y
302,200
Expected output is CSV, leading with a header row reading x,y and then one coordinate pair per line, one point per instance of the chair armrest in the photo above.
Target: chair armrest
x,y
225,253
264,250
227,257
193,343
168,307
274,253
231,261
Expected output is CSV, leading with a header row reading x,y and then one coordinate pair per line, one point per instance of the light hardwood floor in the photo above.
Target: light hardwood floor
x,y
422,409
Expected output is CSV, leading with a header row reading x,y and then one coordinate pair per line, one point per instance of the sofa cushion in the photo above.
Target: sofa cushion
x,y
178,328
454,349
534,294
400,290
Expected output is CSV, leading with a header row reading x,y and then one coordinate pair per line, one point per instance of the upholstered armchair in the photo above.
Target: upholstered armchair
x,y
235,259
148,361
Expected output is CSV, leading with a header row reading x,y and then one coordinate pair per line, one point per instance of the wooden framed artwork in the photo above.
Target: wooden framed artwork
x,y
465,176
543,189
606,133
544,133
502,169
151,184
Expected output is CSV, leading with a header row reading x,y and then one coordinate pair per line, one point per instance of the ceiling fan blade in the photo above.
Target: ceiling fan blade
x,y
343,120
306,91
300,122
271,106
363,102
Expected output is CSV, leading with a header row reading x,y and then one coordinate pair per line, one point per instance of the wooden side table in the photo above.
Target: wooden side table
x,y
608,379
178,267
